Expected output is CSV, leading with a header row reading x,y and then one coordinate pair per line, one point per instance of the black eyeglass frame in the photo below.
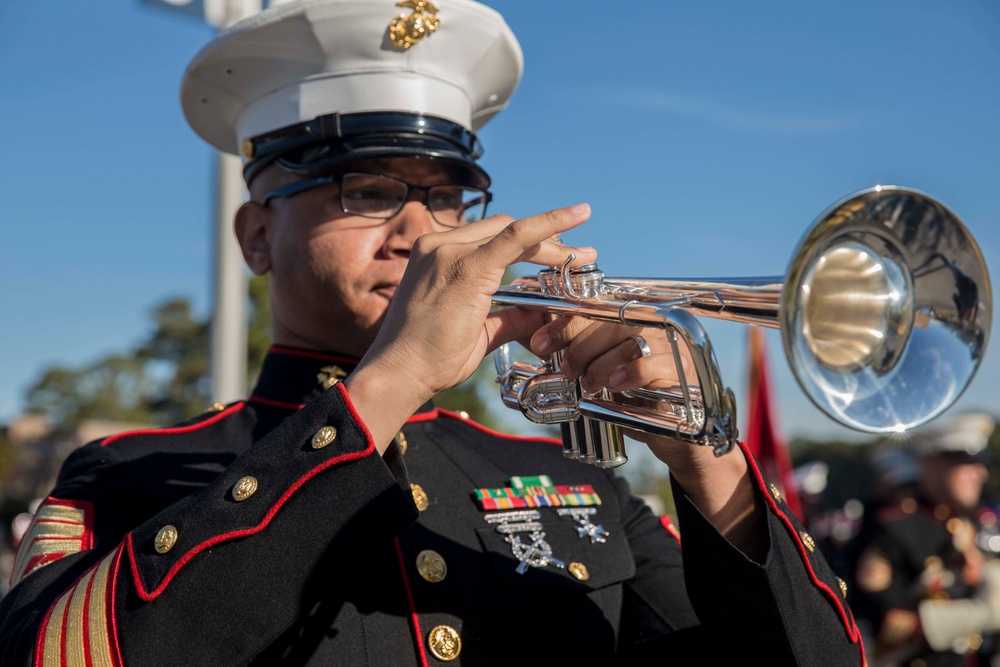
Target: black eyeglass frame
x,y
292,189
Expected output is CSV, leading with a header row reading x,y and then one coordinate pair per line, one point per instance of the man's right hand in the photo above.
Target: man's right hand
x,y
439,326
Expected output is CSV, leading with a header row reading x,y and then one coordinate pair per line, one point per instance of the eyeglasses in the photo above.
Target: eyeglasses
x,y
381,197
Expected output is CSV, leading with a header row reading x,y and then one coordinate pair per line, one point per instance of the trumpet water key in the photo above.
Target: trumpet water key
x,y
884,313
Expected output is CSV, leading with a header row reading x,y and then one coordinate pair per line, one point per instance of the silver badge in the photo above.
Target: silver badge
x,y
586,527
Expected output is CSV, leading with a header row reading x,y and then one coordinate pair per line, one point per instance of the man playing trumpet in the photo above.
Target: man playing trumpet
x,y
336,516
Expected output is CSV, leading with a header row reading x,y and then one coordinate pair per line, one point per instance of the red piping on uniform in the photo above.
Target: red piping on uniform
x,y
87,539
112,624
149,596
40,640
422,417
236,407
430,415
276,404
668,526
418,634
852,631
354,414
505,436
278,349
62,625
86,622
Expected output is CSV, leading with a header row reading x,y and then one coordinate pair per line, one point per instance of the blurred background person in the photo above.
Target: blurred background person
x,y
924,565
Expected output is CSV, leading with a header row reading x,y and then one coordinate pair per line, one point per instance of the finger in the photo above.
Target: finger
x,y
529,239
554,253
557,334
591,344
657,371
602,368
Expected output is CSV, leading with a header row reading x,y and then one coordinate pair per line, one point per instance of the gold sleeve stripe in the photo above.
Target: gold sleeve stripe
x,y
77,630
73,648
54,510
59,528
52,633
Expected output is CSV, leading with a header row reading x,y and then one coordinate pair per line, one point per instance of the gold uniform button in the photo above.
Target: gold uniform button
x,y
775,493
419,497
165,539
843,587
463,414
324,437
244,488
401,441
579,570
808,541
431,566
216,407
444,642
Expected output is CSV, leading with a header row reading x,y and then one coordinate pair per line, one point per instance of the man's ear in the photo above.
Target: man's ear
x,y
253,232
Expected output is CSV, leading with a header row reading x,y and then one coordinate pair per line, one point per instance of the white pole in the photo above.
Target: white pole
x,y
228,352
229,315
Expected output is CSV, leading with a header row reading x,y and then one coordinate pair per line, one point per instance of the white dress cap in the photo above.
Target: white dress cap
x,y
966,433
300,60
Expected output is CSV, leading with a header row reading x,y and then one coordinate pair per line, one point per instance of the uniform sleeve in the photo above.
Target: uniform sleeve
x,y
788,610
217,576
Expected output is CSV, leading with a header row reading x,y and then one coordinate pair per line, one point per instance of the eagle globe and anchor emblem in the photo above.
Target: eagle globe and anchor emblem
x,y
407,29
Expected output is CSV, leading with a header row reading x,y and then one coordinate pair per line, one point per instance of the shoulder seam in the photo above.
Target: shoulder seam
x,y
506,436
233,409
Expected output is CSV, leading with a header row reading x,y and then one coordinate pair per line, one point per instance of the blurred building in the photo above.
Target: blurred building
x,y
38,449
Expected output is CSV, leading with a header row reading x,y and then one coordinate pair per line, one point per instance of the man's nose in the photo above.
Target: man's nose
x,y
413,220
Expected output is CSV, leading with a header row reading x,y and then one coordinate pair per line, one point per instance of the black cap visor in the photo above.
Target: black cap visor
x,y
328,142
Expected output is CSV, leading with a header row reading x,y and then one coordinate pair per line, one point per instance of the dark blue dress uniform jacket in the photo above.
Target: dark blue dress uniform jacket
x,y
319,565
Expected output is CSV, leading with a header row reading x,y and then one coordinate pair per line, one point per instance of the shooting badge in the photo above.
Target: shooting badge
x,y
536,554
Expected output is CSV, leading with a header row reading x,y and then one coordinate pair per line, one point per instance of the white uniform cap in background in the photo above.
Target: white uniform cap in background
x,y
302,60
962,434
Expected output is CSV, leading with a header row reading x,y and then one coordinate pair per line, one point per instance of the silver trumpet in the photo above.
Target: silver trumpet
x,y
884,313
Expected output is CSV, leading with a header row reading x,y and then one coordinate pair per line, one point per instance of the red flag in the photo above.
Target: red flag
x,y
762,436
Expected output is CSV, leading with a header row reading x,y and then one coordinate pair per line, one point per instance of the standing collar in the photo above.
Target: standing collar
x,y
292,377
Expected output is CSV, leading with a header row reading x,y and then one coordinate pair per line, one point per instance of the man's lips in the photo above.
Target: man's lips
x,y
388,291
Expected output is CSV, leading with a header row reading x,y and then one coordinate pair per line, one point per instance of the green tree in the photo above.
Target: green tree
x,y
164,379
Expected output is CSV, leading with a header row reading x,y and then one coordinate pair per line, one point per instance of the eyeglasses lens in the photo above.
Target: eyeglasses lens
x,y
380,197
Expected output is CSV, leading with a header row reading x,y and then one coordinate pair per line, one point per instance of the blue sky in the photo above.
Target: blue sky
x,y
706,137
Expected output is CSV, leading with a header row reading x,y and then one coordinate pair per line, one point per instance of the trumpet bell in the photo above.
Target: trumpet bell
x,y
885,311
